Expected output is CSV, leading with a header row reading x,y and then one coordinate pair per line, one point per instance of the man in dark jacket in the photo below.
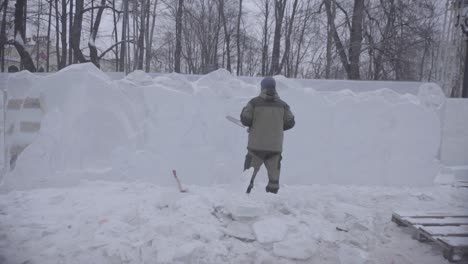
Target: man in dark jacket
x,y
267,116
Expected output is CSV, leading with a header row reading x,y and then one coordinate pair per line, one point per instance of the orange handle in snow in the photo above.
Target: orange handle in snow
x,y
178,181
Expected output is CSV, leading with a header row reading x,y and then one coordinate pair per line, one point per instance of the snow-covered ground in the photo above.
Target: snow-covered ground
x,y
95,184
103,222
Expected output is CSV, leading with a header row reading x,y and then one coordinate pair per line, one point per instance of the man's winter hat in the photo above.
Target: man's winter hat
x,y
268,83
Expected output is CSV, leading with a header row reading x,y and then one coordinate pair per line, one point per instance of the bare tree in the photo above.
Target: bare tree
x,y
70,22
75,35
178,45
227,34
351,64
239,58
297,40
94,32
265,39
288,37
330,39
63,18
38,30
49,23
123,50
141,35
3,38
57,34
20,39
149,44
280,7
204,19
300,52
116,35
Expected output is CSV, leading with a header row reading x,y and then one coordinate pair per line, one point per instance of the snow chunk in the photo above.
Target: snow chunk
x,y
175,81
82,69
284,83
351,255
336,97
239,230
432,96
21,84
270,230
222,83
188,252
139,77
296,248
246,211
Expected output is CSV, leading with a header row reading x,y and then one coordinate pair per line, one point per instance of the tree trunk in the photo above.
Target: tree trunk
x,y
239,57
147,19
141,37
287,45
19,40
70,50
57,34
330,41
3,38
38,30
280,6
265,39
63,17
339,45
178,46
135,36
75,37
301,40
48,37
92,42
214,60
149,45
352,66
25,16
356,40
92,15
123,48
423,61
389,26
227,35
128,63
116,37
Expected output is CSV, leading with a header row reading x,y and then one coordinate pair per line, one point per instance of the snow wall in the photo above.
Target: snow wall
x,y
140,128
454,150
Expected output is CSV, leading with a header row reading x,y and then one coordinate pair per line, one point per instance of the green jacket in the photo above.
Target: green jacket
x,y
267,117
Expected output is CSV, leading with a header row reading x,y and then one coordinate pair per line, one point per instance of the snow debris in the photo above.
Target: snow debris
x,y
270,229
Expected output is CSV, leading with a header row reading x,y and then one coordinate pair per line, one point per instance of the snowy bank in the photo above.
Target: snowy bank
x,y
140,128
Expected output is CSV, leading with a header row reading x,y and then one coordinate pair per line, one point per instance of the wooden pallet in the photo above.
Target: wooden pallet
x,y
448,229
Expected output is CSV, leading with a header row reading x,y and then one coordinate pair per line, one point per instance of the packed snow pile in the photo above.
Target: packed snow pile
x,y
21,84
139,77
175,81
224,85
137,129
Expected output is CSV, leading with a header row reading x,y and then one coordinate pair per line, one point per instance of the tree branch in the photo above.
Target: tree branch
x,y
97,7
345,13
113,46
